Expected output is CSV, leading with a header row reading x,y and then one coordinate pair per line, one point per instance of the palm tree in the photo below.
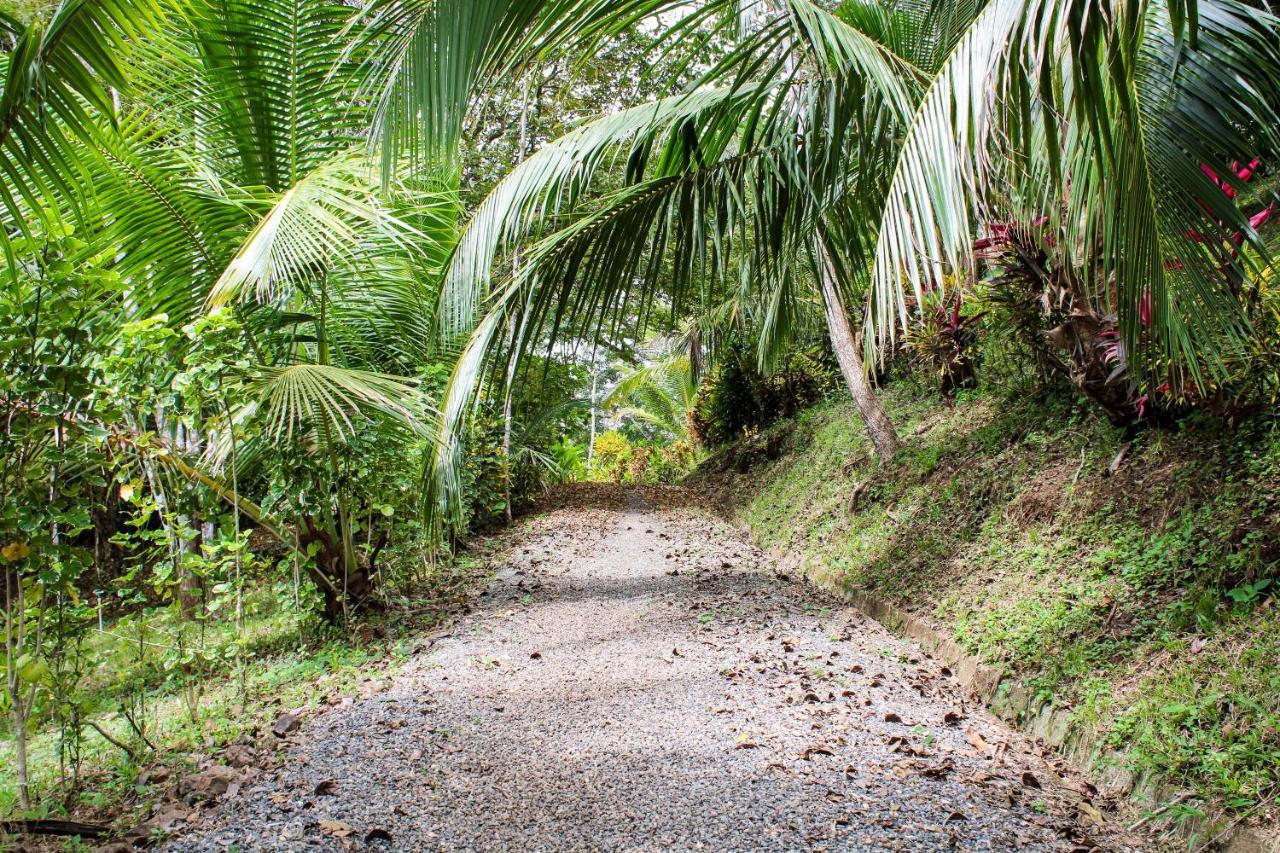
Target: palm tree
x,y
734,183
864,151
661,393
226,167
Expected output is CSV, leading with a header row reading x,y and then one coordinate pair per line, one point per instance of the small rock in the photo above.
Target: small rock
x,y
239,756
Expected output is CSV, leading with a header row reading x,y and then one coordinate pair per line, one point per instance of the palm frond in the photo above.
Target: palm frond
x,y
549,184
328,403
56,83
1107,130
426,58
311,225
273,88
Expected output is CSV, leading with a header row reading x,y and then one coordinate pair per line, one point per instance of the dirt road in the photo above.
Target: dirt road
x,y
641,678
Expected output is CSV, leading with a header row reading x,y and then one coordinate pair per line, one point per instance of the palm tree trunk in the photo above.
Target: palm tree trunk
x,y
517,329
847,350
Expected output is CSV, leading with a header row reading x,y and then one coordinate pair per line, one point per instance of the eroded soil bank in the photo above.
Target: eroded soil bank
x,y
638,677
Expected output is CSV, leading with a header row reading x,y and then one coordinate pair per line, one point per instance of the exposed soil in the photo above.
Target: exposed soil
x,y
639,677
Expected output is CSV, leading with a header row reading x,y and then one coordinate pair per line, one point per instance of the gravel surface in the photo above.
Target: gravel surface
x,y
640,678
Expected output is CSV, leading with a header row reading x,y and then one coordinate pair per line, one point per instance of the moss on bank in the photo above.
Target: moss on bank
x,y
1132,580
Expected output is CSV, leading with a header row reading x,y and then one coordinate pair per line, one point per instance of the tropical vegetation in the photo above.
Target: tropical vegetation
x,y
300,294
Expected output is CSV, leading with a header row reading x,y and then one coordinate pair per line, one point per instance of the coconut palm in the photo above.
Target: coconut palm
x,y
729,186
228,169
864,152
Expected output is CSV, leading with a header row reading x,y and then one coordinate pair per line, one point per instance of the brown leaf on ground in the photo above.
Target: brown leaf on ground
x,y
239,756
211,782
976,740
336,828
1088,812
285,724
940,770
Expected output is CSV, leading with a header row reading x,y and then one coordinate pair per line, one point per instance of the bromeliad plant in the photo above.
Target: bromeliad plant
x,y
943,340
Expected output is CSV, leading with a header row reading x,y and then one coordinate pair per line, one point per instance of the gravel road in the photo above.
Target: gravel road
x,y
640,678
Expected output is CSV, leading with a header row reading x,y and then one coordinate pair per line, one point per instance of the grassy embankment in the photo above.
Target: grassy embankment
x,y
1144,600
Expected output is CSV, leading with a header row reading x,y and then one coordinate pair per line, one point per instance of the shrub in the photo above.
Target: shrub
x,y
612,453
738,398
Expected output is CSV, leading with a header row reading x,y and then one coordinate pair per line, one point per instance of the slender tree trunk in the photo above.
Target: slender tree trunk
x,y
188,583
15,614
591,441
848,352
517,329
235,517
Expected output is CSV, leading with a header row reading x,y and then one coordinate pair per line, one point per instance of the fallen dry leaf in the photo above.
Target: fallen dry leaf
x,y
1088,811
976,740
336,828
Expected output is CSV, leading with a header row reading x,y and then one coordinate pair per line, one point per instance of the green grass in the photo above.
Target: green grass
x,y
1143,601
286,663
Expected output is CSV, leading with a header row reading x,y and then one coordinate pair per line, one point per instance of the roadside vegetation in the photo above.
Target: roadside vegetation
x,y
1127,577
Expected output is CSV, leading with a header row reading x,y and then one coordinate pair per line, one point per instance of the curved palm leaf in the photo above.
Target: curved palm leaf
x,y
1041,103
272,87
662,394
327,402
323,217
59,75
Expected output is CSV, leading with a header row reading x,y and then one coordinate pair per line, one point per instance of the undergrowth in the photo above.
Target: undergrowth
x,y
1131,579
286,664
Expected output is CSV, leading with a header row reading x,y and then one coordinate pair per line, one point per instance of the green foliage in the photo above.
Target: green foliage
x,y
568,460
1143,600
737,399
611,456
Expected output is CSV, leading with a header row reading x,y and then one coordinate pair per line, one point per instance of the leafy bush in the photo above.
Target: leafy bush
x,y
611,456
738,399
568,460
672,462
